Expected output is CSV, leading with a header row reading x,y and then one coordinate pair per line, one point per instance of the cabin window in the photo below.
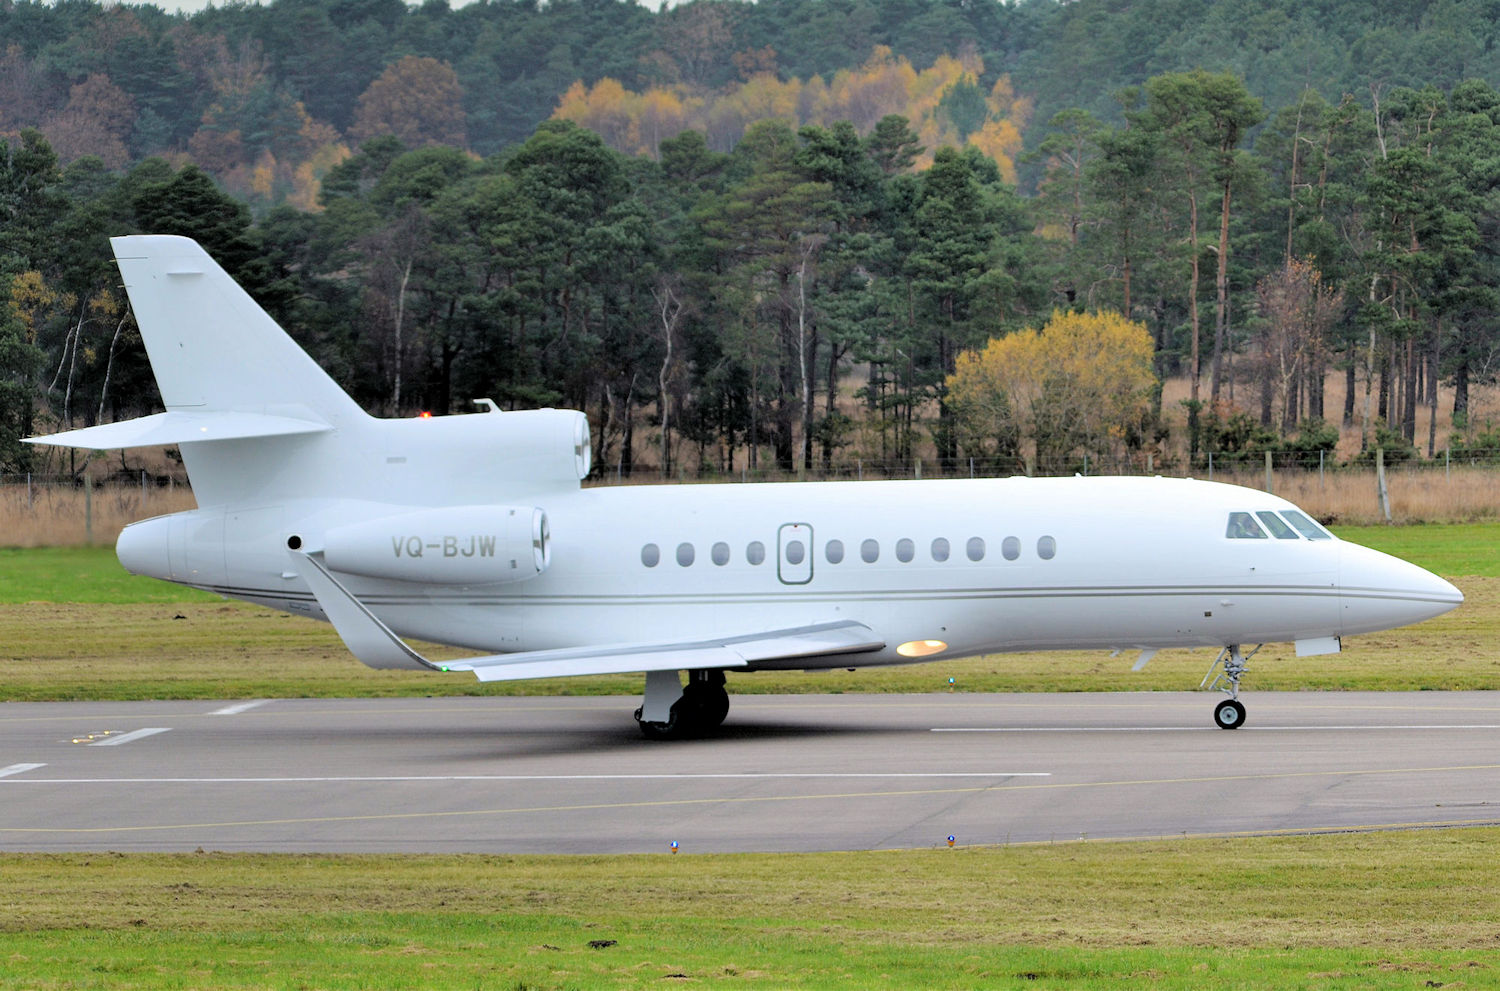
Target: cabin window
x,y
869,551
1277,525
650,555
905,550
1242,526
1010,548
795,552
975,549
834,551
1046,548
756,552
719,553
1307,527
940,549
685,554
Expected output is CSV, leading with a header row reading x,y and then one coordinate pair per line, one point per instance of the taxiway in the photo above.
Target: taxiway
x,y
846,772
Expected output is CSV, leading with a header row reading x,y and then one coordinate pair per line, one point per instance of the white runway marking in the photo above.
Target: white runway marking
x,y
115,741
235,710
536,777
6,772
1202,729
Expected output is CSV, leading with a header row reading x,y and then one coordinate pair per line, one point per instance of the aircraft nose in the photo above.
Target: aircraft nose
x,y
1381,592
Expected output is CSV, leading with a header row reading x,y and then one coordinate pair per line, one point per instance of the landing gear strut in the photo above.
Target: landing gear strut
x,y
1229,714
671,711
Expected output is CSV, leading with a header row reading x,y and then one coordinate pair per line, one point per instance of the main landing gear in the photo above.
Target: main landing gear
x,y
1230,713
672,711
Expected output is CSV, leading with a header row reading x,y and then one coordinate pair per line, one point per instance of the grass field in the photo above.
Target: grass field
x,y
1396,910
1401,910
74,625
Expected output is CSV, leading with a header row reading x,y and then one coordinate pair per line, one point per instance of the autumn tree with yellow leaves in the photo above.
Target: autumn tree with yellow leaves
x,y
945,103
1081,384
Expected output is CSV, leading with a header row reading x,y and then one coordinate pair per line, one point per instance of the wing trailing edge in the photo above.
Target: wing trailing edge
x,y
377,646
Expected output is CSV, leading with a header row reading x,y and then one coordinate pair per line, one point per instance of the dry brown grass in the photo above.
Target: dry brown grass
x,y
1427,494
55,515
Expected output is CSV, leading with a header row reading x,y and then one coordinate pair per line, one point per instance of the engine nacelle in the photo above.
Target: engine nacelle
x,y
460,545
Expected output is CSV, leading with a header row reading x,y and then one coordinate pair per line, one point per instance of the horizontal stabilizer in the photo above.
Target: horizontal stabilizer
x,y
177,427
376,645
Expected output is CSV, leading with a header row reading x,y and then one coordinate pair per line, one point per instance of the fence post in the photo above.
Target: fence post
x,y
859,469
1031,464
1270,482
1150,463
1210,466
143,489
1380,490
971,467
88,511
918,470
1321,452
1448,465
30,506
1085,463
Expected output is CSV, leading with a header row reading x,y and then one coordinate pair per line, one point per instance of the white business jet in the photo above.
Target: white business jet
x,y
474,531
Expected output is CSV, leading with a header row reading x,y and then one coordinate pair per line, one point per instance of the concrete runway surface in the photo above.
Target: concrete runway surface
x,y
807,772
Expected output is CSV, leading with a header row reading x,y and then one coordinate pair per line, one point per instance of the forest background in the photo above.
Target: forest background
x,y
789,232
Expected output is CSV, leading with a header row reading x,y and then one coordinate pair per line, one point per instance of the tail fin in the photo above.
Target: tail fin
x,y
211,346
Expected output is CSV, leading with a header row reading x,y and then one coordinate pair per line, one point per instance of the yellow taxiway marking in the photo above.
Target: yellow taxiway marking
x,y
751,799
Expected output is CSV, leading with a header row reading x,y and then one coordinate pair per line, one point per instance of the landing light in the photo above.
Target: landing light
x,y
921,648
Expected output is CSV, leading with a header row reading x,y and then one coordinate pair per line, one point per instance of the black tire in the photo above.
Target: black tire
x,y
669,730
710,706
1229,714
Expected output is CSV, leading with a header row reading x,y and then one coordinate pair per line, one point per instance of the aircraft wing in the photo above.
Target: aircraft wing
x,y
376,645
819,640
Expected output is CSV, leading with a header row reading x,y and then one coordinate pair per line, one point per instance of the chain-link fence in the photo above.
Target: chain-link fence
x,y
38,509
45,510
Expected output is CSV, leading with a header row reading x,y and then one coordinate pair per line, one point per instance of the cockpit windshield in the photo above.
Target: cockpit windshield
x,y
1242,526
1254,526
1276,525
1305,526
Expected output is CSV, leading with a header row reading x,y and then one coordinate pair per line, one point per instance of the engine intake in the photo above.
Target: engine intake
x,y
461,545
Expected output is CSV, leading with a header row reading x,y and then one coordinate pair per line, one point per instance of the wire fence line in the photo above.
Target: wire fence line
x,y
1211,465
60,509
1232,466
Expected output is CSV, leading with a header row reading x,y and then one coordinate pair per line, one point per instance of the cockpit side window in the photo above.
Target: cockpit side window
x,y
1305,526
1276,525
1242,526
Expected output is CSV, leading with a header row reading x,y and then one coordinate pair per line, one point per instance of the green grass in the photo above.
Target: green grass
x,y
81,574
73,625
1451,549
1349,911
1399,910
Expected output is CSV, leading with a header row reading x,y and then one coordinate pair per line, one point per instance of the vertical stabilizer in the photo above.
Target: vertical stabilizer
x,y
212,347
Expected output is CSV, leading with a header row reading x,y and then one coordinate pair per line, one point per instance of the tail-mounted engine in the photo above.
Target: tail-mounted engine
x,y
460,545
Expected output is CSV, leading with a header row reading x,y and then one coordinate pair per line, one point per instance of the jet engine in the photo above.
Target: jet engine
x,y
460,545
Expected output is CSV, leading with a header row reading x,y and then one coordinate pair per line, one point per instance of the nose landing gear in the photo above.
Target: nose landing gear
x,y
1229,714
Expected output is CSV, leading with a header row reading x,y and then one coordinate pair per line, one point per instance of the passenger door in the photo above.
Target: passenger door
x,y
794,553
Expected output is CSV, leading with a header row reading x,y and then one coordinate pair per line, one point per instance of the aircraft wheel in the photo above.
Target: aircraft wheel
x,y
1229,714
710,705
669,730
